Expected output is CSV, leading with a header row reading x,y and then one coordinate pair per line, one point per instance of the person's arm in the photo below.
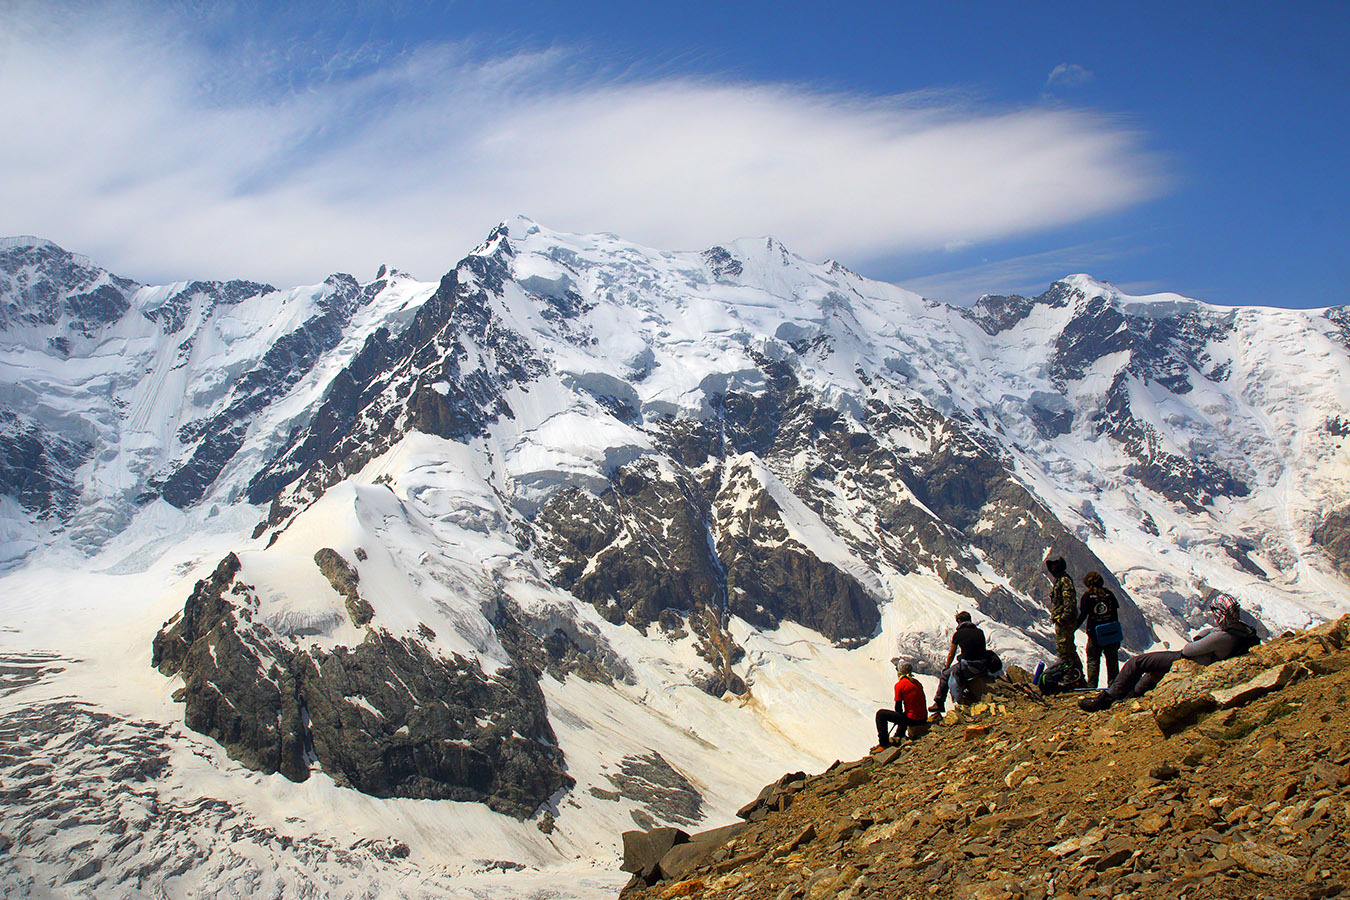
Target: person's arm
x,y
951,655
1210,645
1084,603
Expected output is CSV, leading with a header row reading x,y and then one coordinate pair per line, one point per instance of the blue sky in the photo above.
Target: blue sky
x,y
955,148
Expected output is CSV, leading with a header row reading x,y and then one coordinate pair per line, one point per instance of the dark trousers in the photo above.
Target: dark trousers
x,y
1064,645
1140,673
955,678
1094,653
887,717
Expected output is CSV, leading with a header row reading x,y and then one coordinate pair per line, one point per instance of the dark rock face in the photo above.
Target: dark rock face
x,y
37,466
995,312
1339,316
1192,481
659,786
391,719
637,549
387,717
44,285
444,375
724,266
1333,536
239,685
172,313
771,577
215,440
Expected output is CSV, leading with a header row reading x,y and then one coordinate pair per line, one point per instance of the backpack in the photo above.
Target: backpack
x,y
1061,677
1244,636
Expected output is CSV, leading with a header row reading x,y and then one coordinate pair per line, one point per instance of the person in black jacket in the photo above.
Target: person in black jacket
x,y
1098,607
973,663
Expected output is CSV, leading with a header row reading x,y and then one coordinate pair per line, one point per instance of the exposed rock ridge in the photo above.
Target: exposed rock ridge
x,y
445,374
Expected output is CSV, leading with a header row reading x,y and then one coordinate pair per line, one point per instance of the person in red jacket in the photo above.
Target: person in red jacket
x,y
909,713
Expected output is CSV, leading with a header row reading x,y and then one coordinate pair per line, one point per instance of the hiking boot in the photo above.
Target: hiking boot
x,y
1096,702
875,750
937,708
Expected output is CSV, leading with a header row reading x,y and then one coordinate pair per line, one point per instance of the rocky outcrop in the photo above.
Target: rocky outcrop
x,y
389,717
239,685
344,579
1333,536
1027,796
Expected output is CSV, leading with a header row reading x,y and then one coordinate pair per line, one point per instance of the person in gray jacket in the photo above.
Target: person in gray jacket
x,y
1227,637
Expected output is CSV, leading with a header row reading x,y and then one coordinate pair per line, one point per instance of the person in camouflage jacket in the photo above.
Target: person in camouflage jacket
x,y
1064,611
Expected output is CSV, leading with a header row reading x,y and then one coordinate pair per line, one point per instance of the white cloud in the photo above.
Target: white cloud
x,y
117,145
1068,75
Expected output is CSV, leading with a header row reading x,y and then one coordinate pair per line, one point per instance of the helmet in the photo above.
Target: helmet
x,y
1224,609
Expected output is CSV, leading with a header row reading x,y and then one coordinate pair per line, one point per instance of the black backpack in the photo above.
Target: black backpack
x,y
1244,636
1061,677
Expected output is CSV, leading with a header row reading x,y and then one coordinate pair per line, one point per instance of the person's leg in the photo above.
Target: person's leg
x,y
884,718
1153,669
1112,655
1155,664
940,697
960,677
1094,654
1064,647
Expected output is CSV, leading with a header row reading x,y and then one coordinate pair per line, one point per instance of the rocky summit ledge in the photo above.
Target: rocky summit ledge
x,y
1230,781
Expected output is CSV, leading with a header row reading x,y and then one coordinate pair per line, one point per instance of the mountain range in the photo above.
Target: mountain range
x,y
459,579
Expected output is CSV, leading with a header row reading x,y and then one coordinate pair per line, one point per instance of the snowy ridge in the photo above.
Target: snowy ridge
x,y
700,499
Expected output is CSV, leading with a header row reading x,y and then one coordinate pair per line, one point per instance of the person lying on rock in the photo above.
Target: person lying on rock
x,y
908,715
1098,610
975,661
1228,637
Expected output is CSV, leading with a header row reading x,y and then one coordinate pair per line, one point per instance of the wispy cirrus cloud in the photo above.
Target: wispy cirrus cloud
x,y
1026,274
138,145
1068,75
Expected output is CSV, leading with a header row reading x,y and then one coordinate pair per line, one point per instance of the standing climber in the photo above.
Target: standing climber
x,y
975,661
1099,610
1064,612
908,715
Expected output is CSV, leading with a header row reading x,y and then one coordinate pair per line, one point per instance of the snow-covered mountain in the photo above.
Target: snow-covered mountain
x,y
454,582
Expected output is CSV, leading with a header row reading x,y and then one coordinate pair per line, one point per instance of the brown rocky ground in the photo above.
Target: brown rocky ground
x,y
1020,797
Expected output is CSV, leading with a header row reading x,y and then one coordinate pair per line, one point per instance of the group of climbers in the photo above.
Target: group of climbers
x,y
969,656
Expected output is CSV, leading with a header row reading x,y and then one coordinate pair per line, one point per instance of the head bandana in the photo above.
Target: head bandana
x,y
1224,609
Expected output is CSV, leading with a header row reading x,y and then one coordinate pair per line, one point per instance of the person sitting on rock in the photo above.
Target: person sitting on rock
x,y
1229,636
973,663
1064,611
908,712
1099,610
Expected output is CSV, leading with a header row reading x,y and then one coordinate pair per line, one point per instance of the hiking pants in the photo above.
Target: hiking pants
x,y
887,718
1094,652
958,675
1064,646
1140,673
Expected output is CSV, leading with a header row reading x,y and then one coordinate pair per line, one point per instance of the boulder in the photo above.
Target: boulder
x,y
1187,693
643,850
681,859
1271,679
